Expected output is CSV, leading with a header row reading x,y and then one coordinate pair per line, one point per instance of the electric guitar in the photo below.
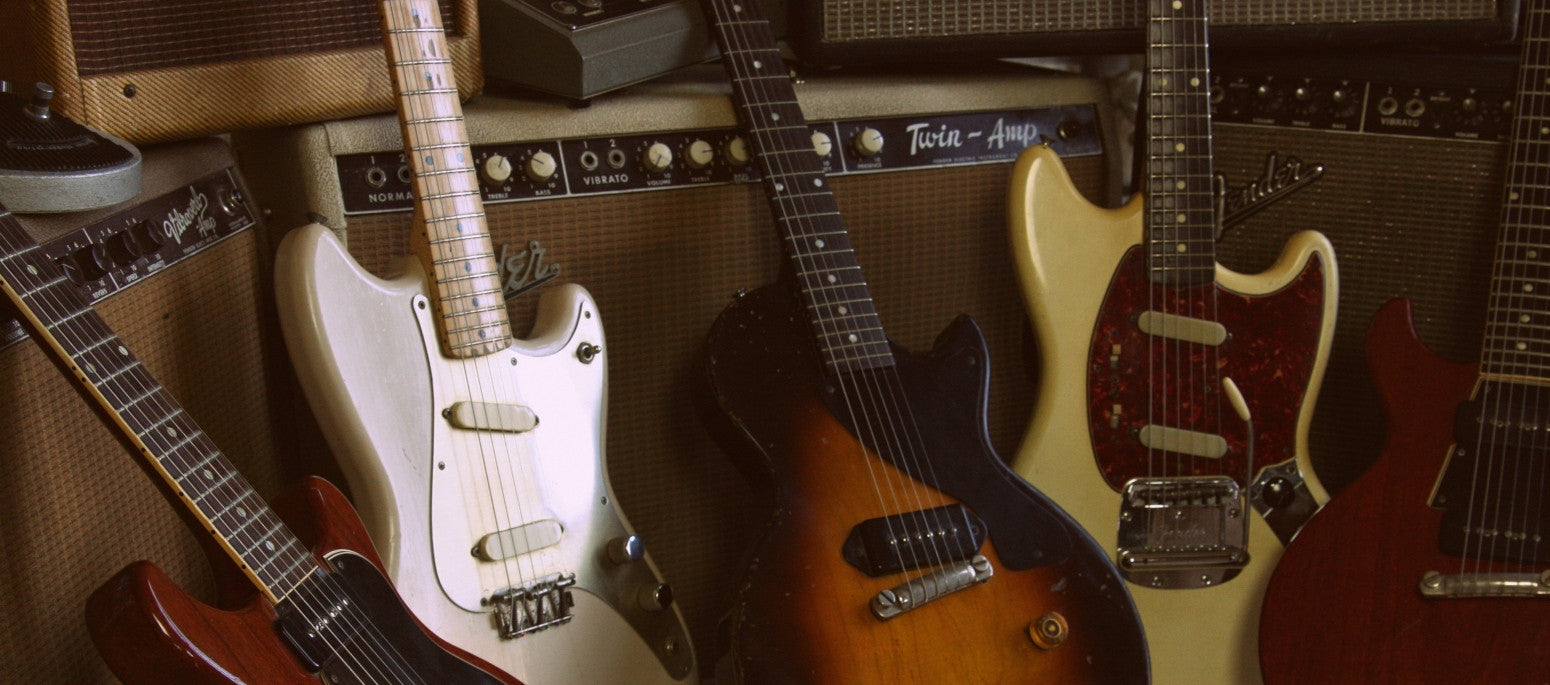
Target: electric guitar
x,y
1175,395
1433,566
324,613
901,549
476,458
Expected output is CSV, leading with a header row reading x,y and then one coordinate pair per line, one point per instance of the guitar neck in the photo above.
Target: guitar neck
x,y
148,419
1518,312
838,302
1181,224
451,237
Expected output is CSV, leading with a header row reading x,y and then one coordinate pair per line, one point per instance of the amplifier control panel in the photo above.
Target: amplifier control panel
x,y
1469,112
535,170
125,248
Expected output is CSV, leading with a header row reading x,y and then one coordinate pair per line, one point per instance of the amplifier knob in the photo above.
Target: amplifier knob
x,y
868,142
497,169
822,144
123,248
145,236
700,154
87,264
737,151
541,166
657,157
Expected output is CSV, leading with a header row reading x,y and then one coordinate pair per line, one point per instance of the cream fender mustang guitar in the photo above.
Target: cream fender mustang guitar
x,y
323,613
902,549
1175,395
475,457
1434,566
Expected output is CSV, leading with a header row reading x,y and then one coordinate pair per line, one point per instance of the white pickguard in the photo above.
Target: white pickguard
x,y
1067,251
367,356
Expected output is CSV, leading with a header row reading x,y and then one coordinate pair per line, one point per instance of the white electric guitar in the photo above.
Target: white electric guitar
x,y
474,457
1175,395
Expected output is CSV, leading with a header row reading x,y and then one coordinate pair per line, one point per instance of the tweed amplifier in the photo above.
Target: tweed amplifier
x,y
181,275
857,31
157,71
644,198
1414,151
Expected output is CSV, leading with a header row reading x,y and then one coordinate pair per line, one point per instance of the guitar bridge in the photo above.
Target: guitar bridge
x,y
531,608
1182,533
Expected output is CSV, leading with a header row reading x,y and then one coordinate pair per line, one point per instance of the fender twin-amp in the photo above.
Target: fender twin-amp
x,y
857,31
645,198
173,69
1414,151
180,273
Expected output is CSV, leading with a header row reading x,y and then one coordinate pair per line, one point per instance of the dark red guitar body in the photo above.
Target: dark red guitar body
x,y
149,630
1344,605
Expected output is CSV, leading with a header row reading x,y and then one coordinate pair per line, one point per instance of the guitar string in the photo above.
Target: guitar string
x,y
862,396
1533,498
74,319
883,389
1497,398
491,451
773,152
1521,217
155,407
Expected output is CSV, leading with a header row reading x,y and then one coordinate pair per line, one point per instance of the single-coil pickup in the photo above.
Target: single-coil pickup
x,y
1180,441
917,539
1185,328
510,418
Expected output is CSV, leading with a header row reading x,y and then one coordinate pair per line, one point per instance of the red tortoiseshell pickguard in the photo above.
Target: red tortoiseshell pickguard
x,y
1269,352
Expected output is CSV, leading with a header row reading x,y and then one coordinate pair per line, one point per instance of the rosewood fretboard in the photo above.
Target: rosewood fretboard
x,y
1181,224
151,422
839,304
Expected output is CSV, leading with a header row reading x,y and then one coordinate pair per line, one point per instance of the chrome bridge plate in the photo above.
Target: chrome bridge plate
x,y
533,607
1435,585
1182,533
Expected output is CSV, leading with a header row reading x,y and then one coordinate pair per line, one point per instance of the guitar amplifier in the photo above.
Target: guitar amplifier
x,y
856,31
663,252
181,273
158,71
1414,151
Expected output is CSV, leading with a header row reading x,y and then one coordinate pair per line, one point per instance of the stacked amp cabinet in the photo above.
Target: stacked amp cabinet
x,y
1413,151
650,203
182,275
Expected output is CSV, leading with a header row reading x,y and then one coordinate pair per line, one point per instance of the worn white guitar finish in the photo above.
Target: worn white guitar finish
x,y
1146,345
475,457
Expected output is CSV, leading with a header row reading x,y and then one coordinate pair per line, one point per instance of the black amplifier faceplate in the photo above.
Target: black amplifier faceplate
x,y
678,159
1453,103
121,250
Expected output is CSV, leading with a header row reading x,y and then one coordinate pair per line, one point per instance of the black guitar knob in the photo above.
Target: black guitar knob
x,y
1278,492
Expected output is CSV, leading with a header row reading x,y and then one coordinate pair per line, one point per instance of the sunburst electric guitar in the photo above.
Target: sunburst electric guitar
x,y
292,613
475,457
902,549
1434,565
1175,395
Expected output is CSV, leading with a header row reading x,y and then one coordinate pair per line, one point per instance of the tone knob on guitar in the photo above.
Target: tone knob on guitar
x,y
868,142
654,596
541,166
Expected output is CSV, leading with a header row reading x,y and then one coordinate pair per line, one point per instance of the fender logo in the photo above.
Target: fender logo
x,y
1279,180
524,270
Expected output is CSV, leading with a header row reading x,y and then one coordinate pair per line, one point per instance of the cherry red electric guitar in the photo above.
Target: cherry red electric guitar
x,y
324,613
1434,565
